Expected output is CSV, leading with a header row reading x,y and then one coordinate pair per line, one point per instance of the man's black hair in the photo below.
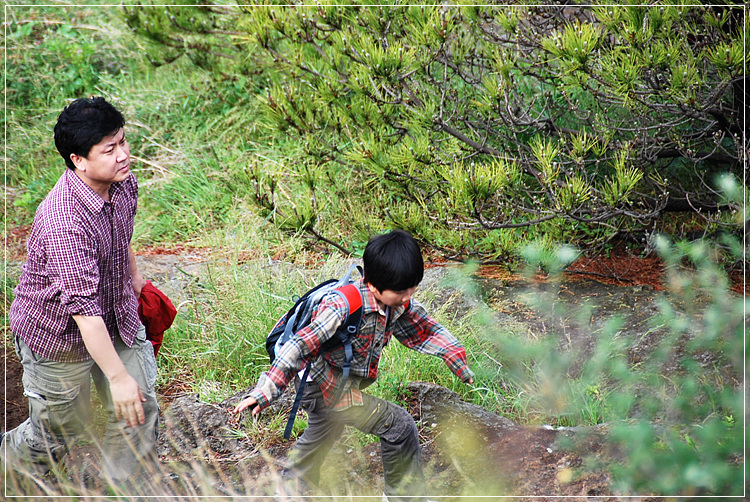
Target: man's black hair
x,y
84,123
393,261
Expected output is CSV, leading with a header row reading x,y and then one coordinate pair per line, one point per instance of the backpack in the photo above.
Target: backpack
x,y
300,315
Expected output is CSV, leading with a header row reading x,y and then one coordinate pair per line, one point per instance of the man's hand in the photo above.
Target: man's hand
x,y
138,283
127,400
247,403
127,397
137,279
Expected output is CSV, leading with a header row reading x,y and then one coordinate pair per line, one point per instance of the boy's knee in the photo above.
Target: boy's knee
x,y
399,426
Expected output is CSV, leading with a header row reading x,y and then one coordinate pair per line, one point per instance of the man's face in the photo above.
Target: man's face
x,y
390,298
108,162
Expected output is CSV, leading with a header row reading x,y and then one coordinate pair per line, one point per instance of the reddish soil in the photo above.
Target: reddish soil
x,y
620,268
15,242
16,405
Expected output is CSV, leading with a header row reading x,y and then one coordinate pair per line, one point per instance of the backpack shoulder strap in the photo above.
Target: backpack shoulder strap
x,y
353,298
347,331
354,303
350,292
352,295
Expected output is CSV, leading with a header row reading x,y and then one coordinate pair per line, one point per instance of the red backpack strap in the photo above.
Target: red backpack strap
x,y
352,295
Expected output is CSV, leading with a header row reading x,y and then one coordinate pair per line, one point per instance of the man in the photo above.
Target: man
x,y
75,312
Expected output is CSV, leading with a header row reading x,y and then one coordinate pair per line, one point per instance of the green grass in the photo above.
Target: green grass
x,y
223,329
199,152
526,378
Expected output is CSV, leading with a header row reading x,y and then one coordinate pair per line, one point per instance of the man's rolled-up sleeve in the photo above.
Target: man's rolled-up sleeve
x,y
73,267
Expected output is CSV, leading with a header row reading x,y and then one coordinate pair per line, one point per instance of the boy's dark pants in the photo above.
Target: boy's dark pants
x,y
399,440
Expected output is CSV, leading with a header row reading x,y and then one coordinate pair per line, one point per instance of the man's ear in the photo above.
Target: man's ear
x,y
78,161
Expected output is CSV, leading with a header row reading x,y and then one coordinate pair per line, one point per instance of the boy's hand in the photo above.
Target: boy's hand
x,y
247,403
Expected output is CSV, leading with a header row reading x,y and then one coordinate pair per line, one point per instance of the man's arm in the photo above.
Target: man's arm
x,y
138,280
126,394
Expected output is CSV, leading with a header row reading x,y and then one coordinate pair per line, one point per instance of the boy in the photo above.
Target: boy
x,y
75,312
393,267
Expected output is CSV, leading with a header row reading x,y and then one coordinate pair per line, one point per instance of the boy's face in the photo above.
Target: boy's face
x,y
108,162
390,298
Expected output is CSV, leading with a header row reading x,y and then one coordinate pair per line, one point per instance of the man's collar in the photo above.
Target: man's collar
x,y
88,195
83,192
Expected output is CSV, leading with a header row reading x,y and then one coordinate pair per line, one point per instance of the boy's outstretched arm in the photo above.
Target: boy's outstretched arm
x,y
420,332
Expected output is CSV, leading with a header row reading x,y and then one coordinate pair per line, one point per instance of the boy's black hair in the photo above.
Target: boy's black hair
x,y
84,123
393,261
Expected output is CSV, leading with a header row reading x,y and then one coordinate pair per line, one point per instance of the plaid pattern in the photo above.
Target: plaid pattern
x,y
411,325
77,263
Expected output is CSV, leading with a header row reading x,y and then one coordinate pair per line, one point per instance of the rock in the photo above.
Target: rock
x,y
200,429
467,437
442,410
172,274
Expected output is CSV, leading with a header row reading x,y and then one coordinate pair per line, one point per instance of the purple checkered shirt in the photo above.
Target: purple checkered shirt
x,y
77,263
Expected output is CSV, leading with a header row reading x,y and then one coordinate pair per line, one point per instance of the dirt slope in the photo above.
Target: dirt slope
x,y
468,451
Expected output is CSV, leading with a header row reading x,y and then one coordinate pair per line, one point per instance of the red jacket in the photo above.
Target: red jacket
x,y
157,314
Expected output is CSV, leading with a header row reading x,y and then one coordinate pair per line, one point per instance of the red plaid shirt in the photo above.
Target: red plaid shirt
x,y
411,325
77,263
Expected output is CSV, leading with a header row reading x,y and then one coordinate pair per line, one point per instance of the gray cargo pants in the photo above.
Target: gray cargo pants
x,y
399,441
59,410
